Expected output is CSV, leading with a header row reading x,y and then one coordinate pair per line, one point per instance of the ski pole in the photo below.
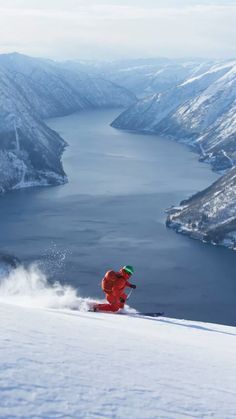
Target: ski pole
x,y
129,294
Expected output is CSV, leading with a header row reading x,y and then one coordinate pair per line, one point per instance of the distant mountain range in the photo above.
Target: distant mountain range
x,y
32,89
143,76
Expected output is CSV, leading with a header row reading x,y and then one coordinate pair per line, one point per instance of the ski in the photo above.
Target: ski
x,y
158,314
146,314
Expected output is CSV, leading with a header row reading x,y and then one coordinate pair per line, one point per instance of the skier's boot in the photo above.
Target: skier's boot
x,y
94,308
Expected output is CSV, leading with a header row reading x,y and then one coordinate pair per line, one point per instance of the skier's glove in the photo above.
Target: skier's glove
x,y
132,286
122,300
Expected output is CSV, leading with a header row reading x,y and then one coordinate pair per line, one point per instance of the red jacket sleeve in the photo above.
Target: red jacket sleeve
x,y
120,286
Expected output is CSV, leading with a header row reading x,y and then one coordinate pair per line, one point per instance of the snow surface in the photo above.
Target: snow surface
x,y
61,363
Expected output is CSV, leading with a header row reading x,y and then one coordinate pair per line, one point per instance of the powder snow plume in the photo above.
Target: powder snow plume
x,y
29,287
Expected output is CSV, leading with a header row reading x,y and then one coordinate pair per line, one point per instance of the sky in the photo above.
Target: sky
x,y
116,29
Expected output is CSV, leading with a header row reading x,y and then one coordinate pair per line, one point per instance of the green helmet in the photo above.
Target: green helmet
x,y
129,269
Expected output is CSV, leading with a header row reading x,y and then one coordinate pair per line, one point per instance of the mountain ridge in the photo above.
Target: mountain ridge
x,y
174,111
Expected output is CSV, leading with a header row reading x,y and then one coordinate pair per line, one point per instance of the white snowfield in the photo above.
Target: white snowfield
x,y
62,363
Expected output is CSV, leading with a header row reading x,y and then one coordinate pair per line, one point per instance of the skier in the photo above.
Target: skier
x,y
114,284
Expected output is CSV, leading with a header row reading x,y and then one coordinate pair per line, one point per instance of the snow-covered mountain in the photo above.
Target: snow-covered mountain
x,y
209,117
143,76
30,152
200,111
209,215
60,362
32,89
53,90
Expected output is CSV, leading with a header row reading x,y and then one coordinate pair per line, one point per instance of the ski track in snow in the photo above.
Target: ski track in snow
x,y
60,363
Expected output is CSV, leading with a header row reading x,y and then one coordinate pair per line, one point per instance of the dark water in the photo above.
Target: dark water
x,y
111,213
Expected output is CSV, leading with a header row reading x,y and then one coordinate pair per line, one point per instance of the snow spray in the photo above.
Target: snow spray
x,y
30,287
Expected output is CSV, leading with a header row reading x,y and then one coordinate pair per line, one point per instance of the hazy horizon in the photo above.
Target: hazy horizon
x,y
120,59
112,29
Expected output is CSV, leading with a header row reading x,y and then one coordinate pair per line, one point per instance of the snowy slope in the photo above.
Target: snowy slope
x,y
210,117
61,363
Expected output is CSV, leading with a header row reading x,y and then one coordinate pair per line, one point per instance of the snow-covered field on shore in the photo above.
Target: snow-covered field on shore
x,y
62,363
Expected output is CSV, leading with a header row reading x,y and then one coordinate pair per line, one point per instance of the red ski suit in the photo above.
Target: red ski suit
x,y
114,284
